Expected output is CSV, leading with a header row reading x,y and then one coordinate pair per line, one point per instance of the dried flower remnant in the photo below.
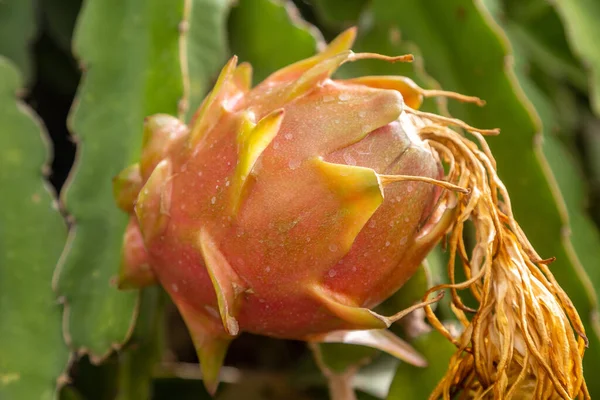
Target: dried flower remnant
x,y
520,343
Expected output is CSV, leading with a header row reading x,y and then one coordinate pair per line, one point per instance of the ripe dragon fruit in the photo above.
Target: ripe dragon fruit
x,y
292,208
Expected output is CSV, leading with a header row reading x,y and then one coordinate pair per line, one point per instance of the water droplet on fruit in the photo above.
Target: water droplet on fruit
x,y
372,223
175,288
288,136
362,114
275,145
333,247
403,240
268,269
387,243
332,273
213,200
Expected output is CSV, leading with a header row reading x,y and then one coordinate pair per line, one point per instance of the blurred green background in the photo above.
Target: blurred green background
x,y
77,79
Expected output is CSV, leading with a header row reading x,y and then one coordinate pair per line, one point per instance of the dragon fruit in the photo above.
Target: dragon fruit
x,y
291,209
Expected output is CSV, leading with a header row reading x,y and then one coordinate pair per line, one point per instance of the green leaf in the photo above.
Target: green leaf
x,y
129,50
33,354
580,19
270,35
144,350
537,27
466,52
180,389
17,30
206,43
591,139
70,393
418,383
339,13
340,356
591,142
538,50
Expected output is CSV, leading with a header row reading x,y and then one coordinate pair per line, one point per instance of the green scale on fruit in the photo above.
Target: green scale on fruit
x,y
293,208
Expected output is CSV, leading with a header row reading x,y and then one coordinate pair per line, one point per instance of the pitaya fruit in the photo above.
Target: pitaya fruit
x,y
292,208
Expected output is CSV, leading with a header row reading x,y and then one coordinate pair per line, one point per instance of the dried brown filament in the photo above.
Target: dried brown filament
x,y
525,340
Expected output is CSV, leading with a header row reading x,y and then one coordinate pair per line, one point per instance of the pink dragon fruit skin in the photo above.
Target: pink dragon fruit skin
x,y
271,214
